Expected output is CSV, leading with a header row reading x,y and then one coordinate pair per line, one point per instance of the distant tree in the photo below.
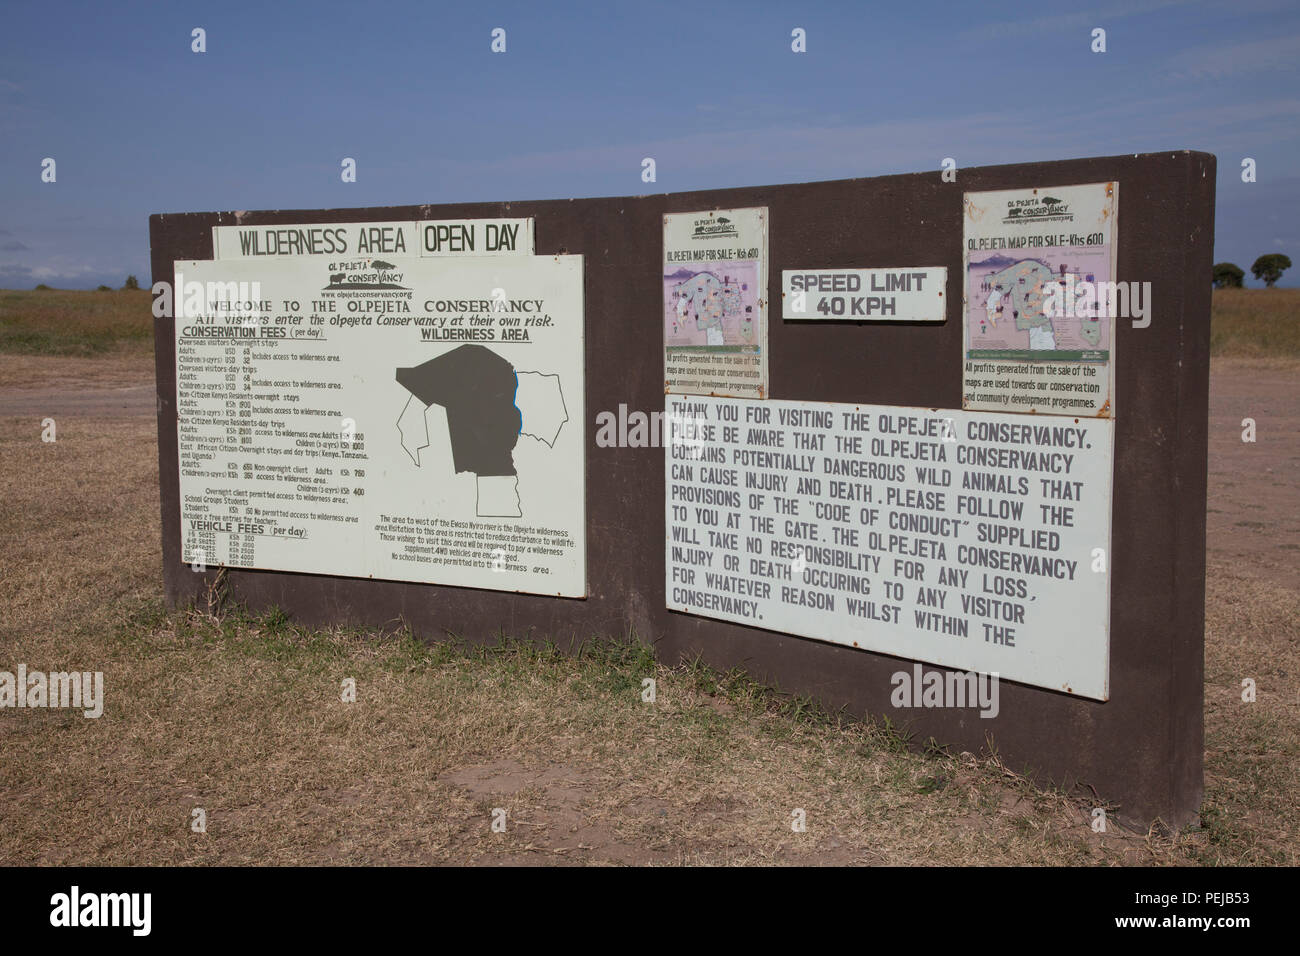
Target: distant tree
x,y
1270,267
43,288
131,283
103,288
1227,275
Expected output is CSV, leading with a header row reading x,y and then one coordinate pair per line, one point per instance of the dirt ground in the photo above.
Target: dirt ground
x,y
118,386
1253,502
1253,507
243,718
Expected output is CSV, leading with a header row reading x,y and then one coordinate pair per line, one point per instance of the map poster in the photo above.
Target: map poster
x,y
1040,300
715,303
410,419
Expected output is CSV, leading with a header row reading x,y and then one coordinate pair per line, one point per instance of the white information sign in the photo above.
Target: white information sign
x,y
878,295
418,422
446,237
975,541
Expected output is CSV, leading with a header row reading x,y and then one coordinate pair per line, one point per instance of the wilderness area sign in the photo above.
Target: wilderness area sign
x,y
409,422
455,237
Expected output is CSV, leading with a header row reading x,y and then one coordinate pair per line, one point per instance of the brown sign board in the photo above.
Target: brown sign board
x,y
1140,749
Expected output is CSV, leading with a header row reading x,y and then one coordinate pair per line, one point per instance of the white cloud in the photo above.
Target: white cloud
x,y
820,149
1217,61
1079,19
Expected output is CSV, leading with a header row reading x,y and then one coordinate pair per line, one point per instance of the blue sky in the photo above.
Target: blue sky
x,y
139,124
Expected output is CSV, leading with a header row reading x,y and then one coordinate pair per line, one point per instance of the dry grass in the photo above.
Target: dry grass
x,y
242,716
116,369
1255,323
55,322
1252,768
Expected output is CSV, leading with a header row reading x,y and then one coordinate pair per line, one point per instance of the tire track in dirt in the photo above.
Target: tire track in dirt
x,y
132,401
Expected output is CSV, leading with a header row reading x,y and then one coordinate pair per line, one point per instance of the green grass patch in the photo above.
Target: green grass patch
x,y
55,322
1255,323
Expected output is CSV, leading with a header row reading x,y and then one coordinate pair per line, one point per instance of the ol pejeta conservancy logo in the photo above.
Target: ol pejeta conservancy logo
x,y
1038,209
719,227
363,274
